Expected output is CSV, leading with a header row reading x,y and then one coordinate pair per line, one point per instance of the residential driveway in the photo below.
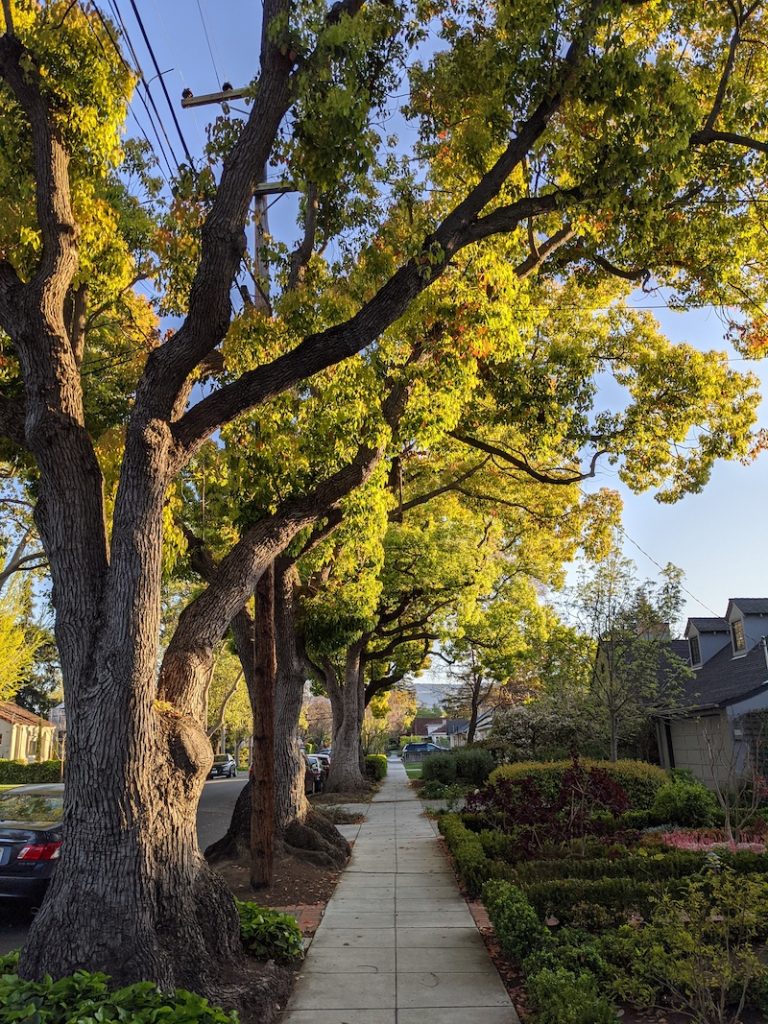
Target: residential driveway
x,y
216,804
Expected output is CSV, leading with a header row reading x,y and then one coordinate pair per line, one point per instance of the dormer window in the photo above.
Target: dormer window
x,y
737,637
695,651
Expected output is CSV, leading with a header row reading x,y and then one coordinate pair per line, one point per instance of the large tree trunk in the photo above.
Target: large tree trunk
x,y
348,707
132,895
299,830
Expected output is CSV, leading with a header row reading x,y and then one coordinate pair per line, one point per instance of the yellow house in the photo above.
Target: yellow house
x,y
24,736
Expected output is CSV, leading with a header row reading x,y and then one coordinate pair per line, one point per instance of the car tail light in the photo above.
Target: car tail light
x,y
39,851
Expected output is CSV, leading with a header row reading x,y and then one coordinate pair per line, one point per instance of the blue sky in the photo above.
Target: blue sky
x,y
717,537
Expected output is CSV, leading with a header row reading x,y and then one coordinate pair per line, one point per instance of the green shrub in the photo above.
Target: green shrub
x,y
639,780
21,773
564,997
440,768
616,896
685,803
658,867
268,933
471,863
571,948
516,923
474,765
376,766
694,948
84,997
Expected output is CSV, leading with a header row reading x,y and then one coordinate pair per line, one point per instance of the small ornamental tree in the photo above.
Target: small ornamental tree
x,y
562,152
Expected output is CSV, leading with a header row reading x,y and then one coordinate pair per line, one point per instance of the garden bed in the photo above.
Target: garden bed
x,y
603,913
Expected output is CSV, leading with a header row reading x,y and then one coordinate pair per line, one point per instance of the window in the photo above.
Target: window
x,y
737,636
693,646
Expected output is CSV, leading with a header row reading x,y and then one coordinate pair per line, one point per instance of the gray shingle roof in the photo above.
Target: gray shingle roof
x,y
710,625
751,605
725,679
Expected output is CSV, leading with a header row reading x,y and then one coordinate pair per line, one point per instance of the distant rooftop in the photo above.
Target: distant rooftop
x,y
711,625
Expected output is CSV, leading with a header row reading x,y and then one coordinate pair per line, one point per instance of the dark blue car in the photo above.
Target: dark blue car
x,y
30,840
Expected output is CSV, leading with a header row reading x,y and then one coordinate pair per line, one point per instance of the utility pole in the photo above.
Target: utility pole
x,y
260,298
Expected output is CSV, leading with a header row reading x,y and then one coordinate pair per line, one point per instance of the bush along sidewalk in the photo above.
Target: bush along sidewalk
x,y
85,997
376,766
562,988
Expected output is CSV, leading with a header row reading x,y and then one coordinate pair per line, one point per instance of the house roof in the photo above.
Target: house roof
x,y
750,605
10,712
725,679
420,726
710,625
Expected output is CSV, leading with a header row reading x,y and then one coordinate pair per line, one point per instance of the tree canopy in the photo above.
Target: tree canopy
x,y
472,285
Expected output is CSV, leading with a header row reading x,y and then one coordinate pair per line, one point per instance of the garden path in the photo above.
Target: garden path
x,y
397,943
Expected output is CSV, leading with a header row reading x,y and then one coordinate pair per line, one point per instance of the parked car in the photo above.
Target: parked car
x,y
30,840
224,766
325,763
315,770
423,748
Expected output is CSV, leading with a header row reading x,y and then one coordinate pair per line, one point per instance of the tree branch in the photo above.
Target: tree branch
x,y
452,485
319,351
708,135
55,217
521,463
302,253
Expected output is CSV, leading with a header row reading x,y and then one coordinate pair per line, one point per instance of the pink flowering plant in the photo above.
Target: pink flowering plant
x,y
704,840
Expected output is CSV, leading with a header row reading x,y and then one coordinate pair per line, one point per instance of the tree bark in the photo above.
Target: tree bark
x,y
299,829
263,707
348,707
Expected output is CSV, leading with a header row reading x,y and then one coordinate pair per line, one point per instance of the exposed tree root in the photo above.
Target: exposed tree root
x,y
314,839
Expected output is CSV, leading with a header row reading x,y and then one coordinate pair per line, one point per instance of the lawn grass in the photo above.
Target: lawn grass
x,y
4,786
413,771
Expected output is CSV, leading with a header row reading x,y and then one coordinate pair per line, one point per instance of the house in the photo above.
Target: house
x,y
458,728
718,728
24,736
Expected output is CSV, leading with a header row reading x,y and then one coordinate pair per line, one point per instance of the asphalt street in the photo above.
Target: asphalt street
x,y
216,803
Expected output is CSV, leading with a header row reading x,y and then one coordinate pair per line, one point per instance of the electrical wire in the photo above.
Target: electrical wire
x,y
658,565
127,36
163,86
137,69
208,41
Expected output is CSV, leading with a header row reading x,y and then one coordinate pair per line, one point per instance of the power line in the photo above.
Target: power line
x,y
208,41
163,86
662,567
127,36
118,51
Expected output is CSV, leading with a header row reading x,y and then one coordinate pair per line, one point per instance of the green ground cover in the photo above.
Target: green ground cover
x,y
606,908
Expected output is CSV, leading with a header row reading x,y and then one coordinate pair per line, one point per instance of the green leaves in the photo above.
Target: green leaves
x,y
269,934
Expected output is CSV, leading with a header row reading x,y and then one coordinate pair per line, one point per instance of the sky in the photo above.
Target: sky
x,y
718,537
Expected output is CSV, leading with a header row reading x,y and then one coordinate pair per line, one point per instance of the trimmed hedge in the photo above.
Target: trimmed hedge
x,y
376,766
472,765
473,866
439,768
639,780
613,896
20,773
562,987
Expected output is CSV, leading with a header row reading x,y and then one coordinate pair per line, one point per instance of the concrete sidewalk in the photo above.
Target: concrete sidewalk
x,y
397,944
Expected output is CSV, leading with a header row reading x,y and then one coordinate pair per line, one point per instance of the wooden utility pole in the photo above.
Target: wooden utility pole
x,y
260,298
